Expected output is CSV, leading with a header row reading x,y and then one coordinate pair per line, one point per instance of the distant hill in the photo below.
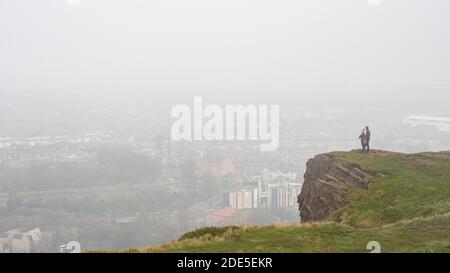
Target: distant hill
x,y
400,200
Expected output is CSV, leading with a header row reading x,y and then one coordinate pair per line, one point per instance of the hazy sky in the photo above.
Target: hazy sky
x,y
241,48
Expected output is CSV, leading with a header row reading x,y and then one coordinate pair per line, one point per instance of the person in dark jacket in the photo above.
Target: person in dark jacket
x,y
363,139
367,138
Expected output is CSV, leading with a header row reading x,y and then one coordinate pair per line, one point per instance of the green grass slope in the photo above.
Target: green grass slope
x,y
406,209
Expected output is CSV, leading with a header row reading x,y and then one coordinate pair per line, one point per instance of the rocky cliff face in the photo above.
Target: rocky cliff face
x,y
326,183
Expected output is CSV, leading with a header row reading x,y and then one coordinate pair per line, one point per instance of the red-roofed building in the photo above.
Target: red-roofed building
x,y
222,217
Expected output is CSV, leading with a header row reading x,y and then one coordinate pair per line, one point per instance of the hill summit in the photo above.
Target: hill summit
x,y
348,199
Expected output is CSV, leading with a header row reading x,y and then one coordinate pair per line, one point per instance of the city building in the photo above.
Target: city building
x,y
18,241
275,193
244,199
222,217
440,121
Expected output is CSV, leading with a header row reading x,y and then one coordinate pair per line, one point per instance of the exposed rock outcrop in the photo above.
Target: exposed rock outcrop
x,y
326,183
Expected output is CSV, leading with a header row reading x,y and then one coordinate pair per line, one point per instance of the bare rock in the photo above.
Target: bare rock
x,y
325,186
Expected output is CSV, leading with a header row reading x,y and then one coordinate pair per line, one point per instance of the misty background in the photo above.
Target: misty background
x,y
86,88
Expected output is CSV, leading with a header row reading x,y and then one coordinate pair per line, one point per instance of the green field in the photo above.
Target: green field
x,y
406,209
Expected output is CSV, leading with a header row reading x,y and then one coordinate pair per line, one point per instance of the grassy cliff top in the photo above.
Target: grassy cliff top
x,y
405,209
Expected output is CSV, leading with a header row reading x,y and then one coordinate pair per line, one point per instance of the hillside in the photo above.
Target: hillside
x,y
348,199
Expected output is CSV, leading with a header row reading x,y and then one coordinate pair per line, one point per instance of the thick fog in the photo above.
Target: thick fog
x,y
87,88
298,50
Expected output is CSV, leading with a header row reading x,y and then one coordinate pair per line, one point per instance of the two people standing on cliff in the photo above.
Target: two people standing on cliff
x,y
365,139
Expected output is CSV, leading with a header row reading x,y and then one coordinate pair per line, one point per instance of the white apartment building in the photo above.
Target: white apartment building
x,y
17,241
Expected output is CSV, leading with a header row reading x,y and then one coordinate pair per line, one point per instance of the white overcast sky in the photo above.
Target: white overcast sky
x,y
238,47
